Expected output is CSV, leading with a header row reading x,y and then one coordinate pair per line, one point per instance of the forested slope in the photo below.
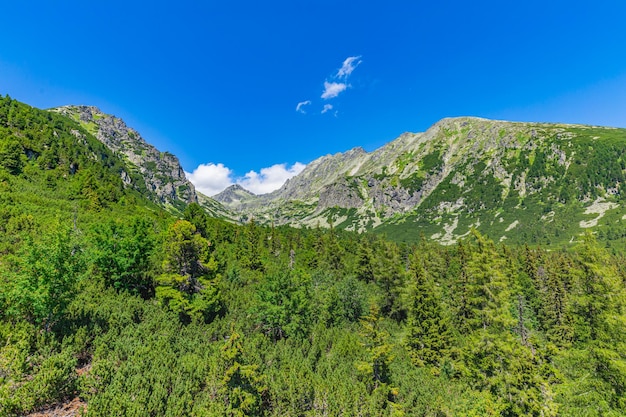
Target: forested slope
x,y
106,298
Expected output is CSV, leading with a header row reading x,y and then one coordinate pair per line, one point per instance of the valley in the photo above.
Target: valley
x,y
473,269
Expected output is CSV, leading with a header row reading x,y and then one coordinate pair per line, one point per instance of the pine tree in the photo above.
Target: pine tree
x,y
251,247
428,333
596,363
189,284
390,275
514,372
242,387
378,347
364,268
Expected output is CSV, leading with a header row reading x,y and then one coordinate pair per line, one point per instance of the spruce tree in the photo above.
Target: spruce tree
x,y
427,331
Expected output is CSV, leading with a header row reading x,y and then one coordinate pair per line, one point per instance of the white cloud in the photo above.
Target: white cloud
x,y
335,84
270,179
332,90
210,178
348,66
299,107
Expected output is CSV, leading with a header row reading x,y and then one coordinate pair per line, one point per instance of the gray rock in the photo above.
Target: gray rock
x,y
164,177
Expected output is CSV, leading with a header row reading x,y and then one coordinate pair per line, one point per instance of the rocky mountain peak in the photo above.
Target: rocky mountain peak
x,y
164,177
234,196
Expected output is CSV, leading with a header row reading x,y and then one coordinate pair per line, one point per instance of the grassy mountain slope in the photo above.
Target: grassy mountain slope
x,y
521,182
55,170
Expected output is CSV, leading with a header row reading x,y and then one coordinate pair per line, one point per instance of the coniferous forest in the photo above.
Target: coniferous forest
x,y
108,300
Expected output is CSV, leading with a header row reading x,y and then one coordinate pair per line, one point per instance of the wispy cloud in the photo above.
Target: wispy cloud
x,y
332,90
335,84
300,106
349,65
211,179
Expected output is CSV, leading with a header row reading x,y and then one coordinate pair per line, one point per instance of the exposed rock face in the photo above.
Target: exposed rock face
x,y
340,194
318,174
164,178
461,173
234,196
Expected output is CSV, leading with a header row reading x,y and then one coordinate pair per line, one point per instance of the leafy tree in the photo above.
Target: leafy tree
x,y
11,155
123,255
45,280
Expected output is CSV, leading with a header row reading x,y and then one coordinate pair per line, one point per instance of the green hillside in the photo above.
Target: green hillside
x,y
535,183
56,171
113,306
547,185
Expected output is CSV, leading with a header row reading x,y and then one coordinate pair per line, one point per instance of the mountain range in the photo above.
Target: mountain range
x,y
535,183
521,182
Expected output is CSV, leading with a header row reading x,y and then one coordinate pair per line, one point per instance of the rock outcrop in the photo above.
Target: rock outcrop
x,y
165,179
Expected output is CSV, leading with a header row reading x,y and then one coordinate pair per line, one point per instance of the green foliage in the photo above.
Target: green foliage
x,y
283,308
189,285
596,363
34,369
11,155
242,388
428,335
375,370
44,281
122,255
107,298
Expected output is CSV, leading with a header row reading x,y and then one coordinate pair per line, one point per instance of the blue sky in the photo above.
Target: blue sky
x,y
249,91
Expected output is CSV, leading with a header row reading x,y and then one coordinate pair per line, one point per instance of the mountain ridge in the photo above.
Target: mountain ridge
x,y
164,177
518,181
443,181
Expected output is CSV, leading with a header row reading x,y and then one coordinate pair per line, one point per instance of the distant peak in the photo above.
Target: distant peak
x,y
235,189
238,187
358,150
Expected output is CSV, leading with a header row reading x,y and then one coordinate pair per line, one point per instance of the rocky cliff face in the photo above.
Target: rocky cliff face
x,y
511,180
165,179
